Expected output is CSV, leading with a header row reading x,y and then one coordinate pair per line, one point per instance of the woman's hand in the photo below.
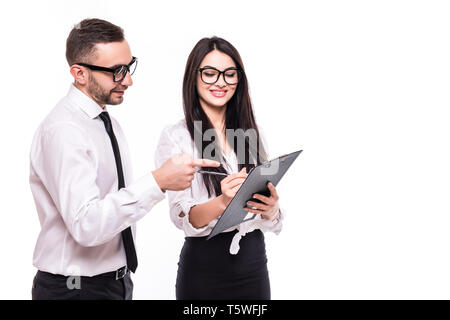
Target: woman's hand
x,y
202,214
269,209
231,184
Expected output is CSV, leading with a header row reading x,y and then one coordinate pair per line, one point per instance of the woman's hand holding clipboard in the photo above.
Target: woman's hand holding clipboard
x,y
256,183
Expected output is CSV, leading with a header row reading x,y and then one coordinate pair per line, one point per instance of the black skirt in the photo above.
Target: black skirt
x,y
207,270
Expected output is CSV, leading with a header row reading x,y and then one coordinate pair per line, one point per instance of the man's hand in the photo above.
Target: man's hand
x,y
178,172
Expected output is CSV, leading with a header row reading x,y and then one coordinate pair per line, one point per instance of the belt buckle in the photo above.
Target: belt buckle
x,y
122,272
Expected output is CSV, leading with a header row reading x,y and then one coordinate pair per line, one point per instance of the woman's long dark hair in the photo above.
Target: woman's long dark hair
x,y
238,115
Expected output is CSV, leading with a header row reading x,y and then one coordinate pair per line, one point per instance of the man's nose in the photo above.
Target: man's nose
x,y
127,80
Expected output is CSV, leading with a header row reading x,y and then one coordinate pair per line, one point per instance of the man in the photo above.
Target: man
x,y
80,176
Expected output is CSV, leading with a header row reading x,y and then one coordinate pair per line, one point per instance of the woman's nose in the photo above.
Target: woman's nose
x,y
221,81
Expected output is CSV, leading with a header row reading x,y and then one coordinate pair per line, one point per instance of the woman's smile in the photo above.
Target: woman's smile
x,y
218,93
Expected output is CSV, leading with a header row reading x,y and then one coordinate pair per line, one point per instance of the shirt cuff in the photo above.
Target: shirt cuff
x,y
189,229
274,226
147,191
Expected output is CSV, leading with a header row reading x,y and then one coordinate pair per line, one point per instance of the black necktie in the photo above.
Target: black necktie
x,y
127,236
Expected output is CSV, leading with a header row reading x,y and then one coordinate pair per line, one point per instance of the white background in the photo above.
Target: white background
x,y
361,86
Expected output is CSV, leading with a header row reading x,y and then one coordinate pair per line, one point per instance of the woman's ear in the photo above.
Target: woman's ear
x,y
79,74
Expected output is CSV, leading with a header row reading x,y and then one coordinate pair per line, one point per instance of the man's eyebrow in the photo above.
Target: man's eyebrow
x,y
116,66
120,65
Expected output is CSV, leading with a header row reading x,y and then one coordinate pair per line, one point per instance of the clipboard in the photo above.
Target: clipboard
x,y
256,182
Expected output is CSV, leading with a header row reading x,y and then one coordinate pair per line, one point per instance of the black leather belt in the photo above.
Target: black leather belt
x,y
118,274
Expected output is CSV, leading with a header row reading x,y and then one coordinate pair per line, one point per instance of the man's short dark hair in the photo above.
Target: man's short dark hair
x,y
80,45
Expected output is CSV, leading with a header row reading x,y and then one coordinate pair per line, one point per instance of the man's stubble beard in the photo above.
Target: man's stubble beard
x,y
100,95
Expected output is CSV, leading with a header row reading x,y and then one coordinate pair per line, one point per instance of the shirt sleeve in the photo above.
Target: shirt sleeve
x,y
175,141
66,150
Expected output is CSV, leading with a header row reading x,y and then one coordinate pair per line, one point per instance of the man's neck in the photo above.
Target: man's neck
x,y
83,89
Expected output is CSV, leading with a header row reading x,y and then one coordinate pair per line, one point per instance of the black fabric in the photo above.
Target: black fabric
x,y
48,286
207,270
127,236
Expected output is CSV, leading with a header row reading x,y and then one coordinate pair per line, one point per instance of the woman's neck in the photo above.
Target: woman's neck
x,y
216,115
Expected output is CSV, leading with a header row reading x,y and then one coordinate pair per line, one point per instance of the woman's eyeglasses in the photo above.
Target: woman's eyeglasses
x,y
210,75
119,72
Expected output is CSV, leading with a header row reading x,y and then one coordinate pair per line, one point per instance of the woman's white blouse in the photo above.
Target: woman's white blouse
x,y
176,139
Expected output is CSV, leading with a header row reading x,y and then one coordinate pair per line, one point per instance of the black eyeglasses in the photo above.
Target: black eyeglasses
x,y
210,75
118,72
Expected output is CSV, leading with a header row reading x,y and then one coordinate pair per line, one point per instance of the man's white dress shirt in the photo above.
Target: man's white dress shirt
x,y
73,178
176,139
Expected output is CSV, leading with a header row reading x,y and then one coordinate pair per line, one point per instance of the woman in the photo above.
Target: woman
x,y
233,264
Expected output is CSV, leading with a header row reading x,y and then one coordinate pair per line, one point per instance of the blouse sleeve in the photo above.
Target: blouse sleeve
x,y
174,141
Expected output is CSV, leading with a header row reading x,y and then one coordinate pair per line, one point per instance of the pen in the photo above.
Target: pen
x,y
212,172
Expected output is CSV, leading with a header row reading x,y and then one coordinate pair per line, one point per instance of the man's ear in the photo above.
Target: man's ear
x,y
79,74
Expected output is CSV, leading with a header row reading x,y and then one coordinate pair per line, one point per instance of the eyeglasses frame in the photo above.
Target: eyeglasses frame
x,y
221,73
113,71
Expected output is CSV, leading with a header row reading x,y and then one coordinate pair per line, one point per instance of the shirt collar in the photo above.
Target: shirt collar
x,y
85,103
